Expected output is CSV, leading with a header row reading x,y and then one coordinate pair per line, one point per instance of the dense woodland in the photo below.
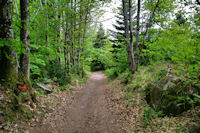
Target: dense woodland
x,y
43,41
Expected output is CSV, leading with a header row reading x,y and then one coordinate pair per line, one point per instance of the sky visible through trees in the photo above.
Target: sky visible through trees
x,y
108,17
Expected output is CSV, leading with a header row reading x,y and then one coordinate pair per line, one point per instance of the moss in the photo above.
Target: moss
x,y
194,129
168,100
26,113
170,105
10,114
15,109
22,79
8,73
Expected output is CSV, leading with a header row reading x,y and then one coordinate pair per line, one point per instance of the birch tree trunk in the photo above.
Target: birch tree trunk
x,y
130,55
8,67
131,37
83,41
67,45
41,4
149,23
15,3
47,24
67,51
25,38
80,37
59,39
138,35
75,37
72,38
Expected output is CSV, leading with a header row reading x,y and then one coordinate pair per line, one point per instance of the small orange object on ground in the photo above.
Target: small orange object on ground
x,y
22,87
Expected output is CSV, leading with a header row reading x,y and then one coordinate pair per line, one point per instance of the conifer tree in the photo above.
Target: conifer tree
x,y
101,38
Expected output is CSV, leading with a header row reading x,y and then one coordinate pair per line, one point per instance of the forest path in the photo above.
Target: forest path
x,y
88,112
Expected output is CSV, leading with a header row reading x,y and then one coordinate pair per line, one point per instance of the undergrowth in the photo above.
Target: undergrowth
x,y
135,96
17,107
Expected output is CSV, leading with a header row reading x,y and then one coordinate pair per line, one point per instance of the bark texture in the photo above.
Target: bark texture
x,y
149,23
83,41
67,46
138,34
131,38
72,30
80,39
8,67
59,28
129,47
25,38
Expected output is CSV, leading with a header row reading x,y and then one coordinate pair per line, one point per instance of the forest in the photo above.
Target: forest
x,y
62,70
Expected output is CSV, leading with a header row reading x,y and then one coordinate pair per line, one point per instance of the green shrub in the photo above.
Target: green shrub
x,y
57,73
111,73
126,77
150,114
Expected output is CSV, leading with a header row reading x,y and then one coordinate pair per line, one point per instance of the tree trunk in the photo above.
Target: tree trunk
x,y
24,74
80,37
15,3
25,38
47,24
72,46
67,51
41,4
149,23
131,37
72,39
59,39
67,46
8,67
130,56
138,35
83,41
79,51
83,49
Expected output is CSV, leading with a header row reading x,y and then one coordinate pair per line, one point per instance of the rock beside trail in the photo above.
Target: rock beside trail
x,y
170,95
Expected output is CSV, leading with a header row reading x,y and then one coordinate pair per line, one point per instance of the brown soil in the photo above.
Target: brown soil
x,y
97,107
89,112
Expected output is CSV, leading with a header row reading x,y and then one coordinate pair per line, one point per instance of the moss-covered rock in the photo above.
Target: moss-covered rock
x,y
170,95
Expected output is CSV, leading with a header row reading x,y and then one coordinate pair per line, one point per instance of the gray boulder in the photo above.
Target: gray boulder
x,y
169,95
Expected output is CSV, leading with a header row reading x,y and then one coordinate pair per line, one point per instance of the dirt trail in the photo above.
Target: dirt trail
x,y
88,112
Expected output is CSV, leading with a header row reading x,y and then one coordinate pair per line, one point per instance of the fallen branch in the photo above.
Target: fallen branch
x,y
45,88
